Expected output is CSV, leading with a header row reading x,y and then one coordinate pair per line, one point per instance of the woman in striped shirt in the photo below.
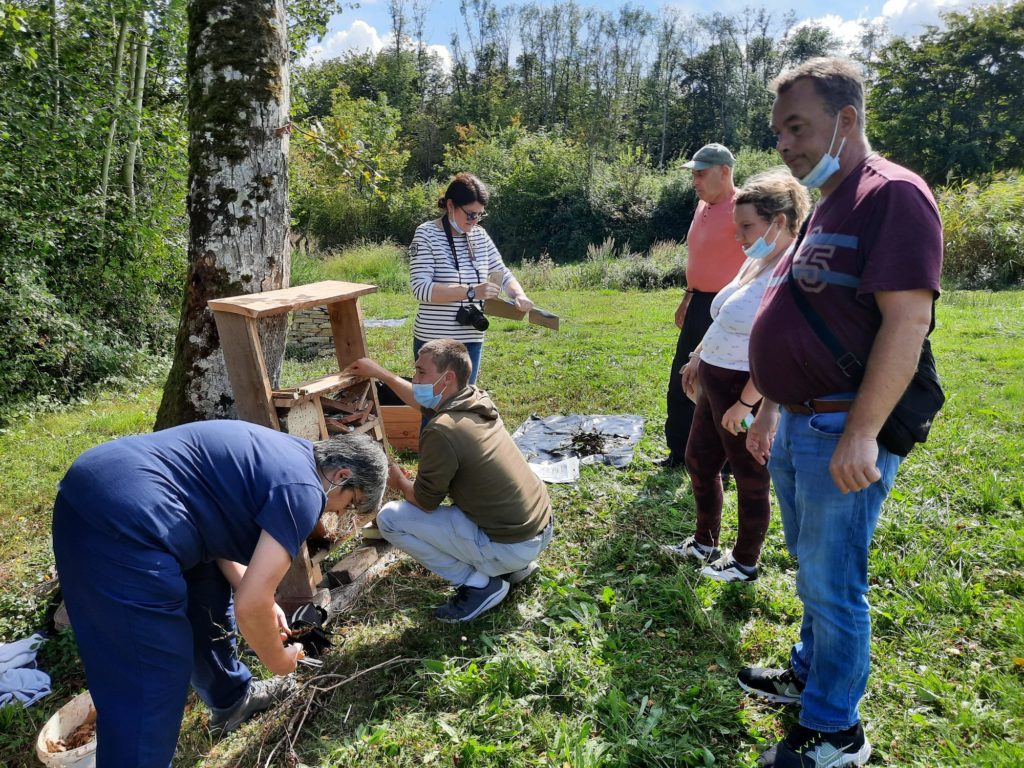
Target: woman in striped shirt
x,y
450,261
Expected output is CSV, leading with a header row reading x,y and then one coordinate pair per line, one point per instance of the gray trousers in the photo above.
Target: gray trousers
x,y
451,545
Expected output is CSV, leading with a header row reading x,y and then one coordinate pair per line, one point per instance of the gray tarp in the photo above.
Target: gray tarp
x,y
547,442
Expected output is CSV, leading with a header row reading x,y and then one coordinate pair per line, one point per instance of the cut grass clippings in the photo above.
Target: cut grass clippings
x,y
615,654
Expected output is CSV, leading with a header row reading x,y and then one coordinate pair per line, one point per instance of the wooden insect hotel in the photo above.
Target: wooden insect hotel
x,y
315,409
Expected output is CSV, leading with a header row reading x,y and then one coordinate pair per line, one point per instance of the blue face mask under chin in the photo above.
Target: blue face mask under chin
x,y
828,164
424,394
761,248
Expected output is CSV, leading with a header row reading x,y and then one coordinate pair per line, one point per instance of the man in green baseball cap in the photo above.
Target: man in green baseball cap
x,y
709,155
714,258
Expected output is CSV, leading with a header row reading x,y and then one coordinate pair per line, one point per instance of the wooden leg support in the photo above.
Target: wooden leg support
x,y
302,584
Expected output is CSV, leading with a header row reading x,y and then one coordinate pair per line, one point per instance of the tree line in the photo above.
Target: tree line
x,y
578,117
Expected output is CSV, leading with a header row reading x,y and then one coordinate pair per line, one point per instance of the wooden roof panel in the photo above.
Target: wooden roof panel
x,y
279,302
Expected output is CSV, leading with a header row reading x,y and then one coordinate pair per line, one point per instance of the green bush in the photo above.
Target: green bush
x,y
539,182
340,217
623,196
64,330
983,228
751,161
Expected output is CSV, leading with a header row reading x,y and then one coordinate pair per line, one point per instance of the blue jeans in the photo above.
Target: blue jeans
x,y
829,534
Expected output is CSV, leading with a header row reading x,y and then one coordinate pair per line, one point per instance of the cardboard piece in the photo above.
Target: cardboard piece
x,y
508,309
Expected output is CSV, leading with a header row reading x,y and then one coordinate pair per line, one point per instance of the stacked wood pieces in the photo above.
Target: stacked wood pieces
x,y
350,410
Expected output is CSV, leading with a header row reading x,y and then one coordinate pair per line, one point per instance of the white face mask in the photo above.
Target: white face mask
x,y
762,248
828,164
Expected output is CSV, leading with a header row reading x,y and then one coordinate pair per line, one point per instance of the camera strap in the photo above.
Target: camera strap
x,y
447,226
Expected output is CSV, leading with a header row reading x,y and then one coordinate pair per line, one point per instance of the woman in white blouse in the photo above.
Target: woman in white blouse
x,y
770,208
454,266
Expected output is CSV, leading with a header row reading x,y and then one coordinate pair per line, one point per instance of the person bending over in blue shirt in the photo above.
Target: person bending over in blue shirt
x,y
151,533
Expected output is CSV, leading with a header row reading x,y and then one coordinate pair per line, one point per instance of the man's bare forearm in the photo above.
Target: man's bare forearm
x,y
906,316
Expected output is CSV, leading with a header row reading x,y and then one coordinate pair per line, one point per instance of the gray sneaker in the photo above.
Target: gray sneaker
x,y
694,550
518,577
726,568
806,748
262,695
469,602
780,686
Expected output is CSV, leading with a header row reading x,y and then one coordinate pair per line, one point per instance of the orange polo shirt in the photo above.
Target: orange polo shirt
x,y
714,255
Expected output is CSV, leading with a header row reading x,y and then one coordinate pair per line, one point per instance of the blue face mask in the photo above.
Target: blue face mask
x,y
424,394
828,164
761,248
456,227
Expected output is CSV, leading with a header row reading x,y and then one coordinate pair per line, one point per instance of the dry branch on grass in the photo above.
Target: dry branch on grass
x,y
295,710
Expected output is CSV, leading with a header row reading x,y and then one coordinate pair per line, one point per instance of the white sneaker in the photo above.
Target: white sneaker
x,y
726,568
694,550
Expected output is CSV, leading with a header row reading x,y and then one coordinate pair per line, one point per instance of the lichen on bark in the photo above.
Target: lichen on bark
x,y
238,185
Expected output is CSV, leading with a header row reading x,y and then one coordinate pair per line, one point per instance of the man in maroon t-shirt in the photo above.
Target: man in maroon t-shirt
x,y
869,267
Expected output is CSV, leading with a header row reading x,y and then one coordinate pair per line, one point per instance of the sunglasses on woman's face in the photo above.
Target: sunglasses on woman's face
x,y
473,215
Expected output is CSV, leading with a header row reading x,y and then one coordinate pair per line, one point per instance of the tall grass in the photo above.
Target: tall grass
x,y
984,227
606,266
382,264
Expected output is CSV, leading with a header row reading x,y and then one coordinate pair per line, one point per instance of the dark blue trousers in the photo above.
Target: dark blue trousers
x,y
145,629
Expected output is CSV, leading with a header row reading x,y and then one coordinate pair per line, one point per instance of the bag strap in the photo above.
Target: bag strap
x,y
848,362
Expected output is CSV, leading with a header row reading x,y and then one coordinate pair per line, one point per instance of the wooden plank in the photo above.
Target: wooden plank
x,y
507,309
348,332
301,583
288,396
402,426
247,370
545,318
352,566
503,308
291,299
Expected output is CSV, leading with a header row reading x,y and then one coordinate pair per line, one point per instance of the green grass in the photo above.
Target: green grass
x,y
616,655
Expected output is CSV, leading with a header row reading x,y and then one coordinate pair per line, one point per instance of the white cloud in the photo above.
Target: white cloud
x,y
910,17
902,18
359,37
846,30
444,56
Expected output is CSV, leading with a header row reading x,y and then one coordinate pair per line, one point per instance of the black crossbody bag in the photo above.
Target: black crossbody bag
x,y
911,418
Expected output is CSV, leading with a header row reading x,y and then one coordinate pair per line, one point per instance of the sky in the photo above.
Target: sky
x,y
368,26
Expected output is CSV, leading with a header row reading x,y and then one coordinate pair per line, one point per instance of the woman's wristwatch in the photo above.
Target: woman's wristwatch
x,y
470,293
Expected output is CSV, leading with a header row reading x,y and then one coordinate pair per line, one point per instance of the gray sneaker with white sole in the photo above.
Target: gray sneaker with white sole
x,y
260,696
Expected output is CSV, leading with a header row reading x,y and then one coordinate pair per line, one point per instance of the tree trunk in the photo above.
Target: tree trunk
x,y
108,149
139,61
238,192
55,58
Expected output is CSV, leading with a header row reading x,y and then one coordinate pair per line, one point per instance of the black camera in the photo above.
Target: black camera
x,y
470,314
